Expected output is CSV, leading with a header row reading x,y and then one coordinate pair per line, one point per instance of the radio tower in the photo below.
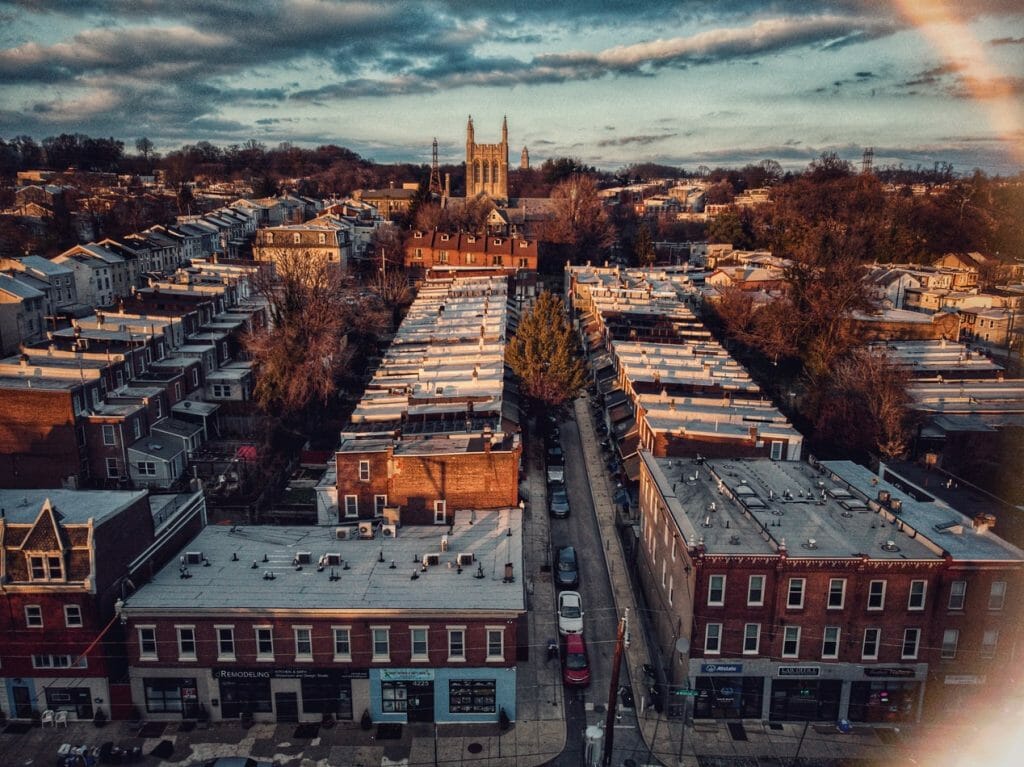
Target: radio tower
x,y
867,160
435,174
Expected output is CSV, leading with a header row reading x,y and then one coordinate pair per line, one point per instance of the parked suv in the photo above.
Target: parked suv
x,y
567,575
558,500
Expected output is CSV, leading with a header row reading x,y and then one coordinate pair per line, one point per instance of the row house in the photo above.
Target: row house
x,y
68,557
431,433
390,203
889,285
441,250
101,275
60,291
22,312
323,239
820,592
938,360
291,623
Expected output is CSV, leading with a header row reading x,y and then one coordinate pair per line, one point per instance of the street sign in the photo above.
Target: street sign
x,y
686,693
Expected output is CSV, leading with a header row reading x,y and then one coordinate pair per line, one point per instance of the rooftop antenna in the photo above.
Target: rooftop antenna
x,y
435,174
867,160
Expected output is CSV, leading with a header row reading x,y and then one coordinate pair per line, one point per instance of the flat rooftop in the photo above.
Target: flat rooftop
x,y
925,359
21,507
365,579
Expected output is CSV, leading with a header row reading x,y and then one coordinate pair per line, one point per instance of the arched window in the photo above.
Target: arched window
x,y
494,172
486,171
476,171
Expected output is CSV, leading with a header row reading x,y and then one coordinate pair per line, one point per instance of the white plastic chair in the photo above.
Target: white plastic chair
x,y
61,717
48,718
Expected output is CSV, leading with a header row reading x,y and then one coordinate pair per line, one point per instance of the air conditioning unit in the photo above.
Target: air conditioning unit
x,y
344,533
465,559
389,531
431,560
193,558
366,531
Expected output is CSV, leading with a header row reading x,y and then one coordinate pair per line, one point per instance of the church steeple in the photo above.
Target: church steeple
x,y
504,130
470,138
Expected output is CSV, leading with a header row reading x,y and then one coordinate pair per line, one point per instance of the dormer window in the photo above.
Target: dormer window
x,y
46,567
444,238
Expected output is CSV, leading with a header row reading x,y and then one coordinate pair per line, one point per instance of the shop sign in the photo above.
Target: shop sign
x,y
799,670
889,673
406,675
288,673
721,668
964,679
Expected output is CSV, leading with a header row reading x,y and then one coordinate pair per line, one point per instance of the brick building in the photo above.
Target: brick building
x,y
820,592
67,557
437,250
289,623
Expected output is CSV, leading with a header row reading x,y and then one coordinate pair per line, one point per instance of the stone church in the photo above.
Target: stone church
x,y
487,165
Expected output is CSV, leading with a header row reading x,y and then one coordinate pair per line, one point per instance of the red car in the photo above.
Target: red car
x,y
575,664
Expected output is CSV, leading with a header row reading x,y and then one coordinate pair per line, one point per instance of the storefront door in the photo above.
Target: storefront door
x,y
22,702
287,705
421,701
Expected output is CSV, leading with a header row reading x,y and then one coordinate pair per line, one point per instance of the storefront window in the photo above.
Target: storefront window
x,y
76,700
238,695
471,696
328,695
805,700
170,695
883,701
728,697
393,698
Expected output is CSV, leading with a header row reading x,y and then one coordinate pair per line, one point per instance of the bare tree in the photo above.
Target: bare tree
x,y
580,223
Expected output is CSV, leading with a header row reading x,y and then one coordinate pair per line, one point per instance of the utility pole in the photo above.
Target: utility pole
x,y
613,691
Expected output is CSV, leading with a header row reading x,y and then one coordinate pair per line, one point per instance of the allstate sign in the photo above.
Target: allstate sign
x,y
721,668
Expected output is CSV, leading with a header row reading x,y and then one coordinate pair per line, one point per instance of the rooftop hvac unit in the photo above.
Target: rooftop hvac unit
x,y
883,496
366,531
465,559
194,558
431,560
344,533
389,531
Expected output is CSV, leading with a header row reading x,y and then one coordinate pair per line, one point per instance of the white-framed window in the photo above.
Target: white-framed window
x,y
456,643
303,642
751,638
297,238
950,639
222,391
147,642
911,640
137,428
716,590
495,643
342,643
989,642
916,598
440,512
109,434
442,256
997,595
791,642
379,502
158,404
264,643
146,468
836,593
795,595
830,642
713,639
195,376
876,595
869,648
364,471
113,468
322,238
776,454
351,506
177,390
186,642
73,616
59,661
34,616
225,642
418,638
755,591
381,643
957,595
46,567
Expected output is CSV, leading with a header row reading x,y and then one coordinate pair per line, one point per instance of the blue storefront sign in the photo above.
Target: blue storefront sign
x,y
721,668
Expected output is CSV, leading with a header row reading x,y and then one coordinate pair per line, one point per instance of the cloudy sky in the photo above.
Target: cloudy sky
x,y
683,82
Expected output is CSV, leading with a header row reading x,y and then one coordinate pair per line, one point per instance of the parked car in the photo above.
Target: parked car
x,y
570,613
558,500
555,456
575,663
556,475
567,575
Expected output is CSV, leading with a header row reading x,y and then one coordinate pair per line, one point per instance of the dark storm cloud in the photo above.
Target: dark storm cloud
x,y
641,140
1007,41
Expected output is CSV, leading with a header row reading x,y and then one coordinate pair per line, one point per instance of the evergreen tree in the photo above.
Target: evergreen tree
x,y
543,354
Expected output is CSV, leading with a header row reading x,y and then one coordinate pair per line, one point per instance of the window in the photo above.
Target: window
x,y
186,642
147,642
146,468
495,644
342,643
264,643
876,595
72,616
442,256
34,616
158,405
418,639
776,453
791,642
113,468
440,512
109,436
177,390
364,471
322,238
59,661
957,595
716,590
989,640
917,593
37,568
381,644
303,642
996,595
795,598
869,649
830,642
836,593
137,428
713,639
46,568
456,643
351,506
755,591
950,638
225,642
297,238
195,376
379,502
751,638
911,638
221,390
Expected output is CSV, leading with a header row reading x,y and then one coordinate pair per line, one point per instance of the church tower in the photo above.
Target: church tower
x,y
487,164
524,159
